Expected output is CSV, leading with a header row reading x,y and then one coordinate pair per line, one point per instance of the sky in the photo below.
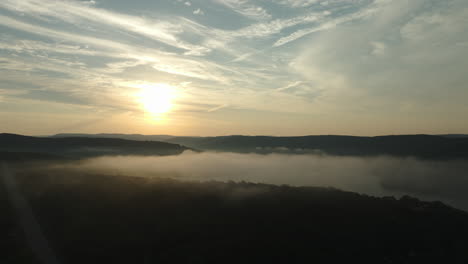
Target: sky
x,y
220,67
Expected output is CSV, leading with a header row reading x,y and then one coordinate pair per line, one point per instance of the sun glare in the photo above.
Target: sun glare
x,y
156,99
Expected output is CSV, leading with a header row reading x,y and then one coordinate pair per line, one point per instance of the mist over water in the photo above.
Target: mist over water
x,y
379,176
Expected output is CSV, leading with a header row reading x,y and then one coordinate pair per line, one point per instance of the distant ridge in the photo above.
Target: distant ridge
x,y
138,137
85,146
422,146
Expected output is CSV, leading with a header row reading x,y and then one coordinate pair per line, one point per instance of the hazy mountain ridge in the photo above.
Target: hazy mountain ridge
x,y
423,146
138,137
85,146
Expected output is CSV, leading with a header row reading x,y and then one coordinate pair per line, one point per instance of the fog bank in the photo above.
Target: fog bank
x,y
380,176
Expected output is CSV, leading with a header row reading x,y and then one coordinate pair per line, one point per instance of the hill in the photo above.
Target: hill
x,y
138,137
117,219
84,146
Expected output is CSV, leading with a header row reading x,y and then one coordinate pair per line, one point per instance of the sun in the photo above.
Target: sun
x,y
156,99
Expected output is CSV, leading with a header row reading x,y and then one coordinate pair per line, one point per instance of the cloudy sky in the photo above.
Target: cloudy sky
x,y
217,67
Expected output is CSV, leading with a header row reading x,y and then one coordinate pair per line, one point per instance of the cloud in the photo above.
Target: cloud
x,y
247,9
378,48
4,93
265,29
216,108
117,67
290,85
31,46
39,30
242,57
389,64
161,61
298,3
198,11
330,24
76,13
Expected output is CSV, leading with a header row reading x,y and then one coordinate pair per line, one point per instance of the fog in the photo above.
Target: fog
x,y
379,176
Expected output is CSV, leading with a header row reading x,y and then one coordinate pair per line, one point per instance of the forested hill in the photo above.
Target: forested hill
x,y
90,218
84,146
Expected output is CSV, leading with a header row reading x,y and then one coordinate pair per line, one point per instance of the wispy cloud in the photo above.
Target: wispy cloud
x,y
75,12
216,108
246,8
330,24
299,3
32,46
290,85
198,11
40,30
160,60
265,29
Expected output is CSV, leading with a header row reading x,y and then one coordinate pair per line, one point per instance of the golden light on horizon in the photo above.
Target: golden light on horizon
x,y
156,98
